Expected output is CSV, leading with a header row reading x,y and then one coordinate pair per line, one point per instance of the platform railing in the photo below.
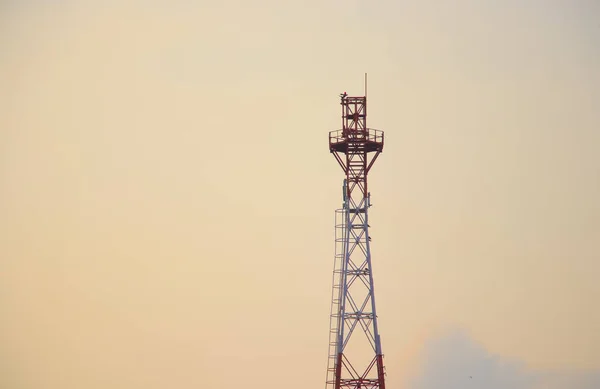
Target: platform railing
x,y
341,136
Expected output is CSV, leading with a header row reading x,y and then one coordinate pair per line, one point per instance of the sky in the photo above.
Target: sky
x,y
167,194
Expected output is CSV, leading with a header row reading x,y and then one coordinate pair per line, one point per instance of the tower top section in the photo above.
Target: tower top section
x,y
354,129
355,146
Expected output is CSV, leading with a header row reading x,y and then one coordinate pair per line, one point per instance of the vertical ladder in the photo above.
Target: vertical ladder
x,y
334,315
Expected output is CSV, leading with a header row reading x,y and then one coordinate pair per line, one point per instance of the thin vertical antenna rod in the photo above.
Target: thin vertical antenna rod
x,y
365,108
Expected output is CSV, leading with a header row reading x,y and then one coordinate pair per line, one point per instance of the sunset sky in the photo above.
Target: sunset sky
x,y
167,194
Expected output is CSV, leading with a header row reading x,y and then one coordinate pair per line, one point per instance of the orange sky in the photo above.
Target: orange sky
x,y
167,193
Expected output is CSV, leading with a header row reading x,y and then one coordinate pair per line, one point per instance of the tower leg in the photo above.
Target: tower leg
x,y
380,372
338,371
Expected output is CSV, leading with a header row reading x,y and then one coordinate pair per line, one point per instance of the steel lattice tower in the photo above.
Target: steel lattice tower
x,y
355,356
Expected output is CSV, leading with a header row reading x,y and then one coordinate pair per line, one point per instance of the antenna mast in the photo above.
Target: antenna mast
x,y
355,354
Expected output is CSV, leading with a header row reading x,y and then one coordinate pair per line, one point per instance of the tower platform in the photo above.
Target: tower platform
x,y
371,140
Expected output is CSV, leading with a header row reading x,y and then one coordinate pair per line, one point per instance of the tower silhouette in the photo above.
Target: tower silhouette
x,y
355,355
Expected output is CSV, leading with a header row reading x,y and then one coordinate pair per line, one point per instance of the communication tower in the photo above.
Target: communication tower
x,y
355,356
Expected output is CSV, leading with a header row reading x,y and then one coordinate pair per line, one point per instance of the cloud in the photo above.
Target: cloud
x,y
570,380
455,360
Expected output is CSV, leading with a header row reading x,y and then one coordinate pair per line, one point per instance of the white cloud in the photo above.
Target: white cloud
x,y
456,361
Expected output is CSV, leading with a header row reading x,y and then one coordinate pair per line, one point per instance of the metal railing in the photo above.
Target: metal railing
x,y
341,136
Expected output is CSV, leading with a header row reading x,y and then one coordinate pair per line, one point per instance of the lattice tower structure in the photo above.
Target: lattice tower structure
x,y
355,356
